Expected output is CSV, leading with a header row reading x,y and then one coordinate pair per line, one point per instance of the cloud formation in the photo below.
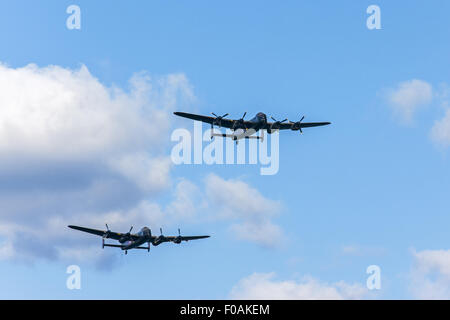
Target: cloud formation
x,y
263,286
440,132
430,275
408,97
74,151
251,212
362,250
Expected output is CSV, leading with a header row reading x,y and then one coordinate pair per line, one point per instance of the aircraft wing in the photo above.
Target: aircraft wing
x,y
188,238
284,126
185,238
226,123
101,233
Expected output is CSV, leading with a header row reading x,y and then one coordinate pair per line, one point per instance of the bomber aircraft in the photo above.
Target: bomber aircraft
x,y
244,129
130,240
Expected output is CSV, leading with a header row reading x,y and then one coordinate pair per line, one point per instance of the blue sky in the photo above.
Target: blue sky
x,y
372,188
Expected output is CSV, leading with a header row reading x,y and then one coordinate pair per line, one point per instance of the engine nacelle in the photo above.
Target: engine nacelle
x,y
159,240
273,127
123,239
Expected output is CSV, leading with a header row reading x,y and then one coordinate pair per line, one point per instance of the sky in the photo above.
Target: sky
x,y
86,119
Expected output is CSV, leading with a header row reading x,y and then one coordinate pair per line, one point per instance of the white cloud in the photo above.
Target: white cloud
x,y
74,151
251,211
362,250
440,132
239,198
263,232
150,174
55,114
263,286
61,113
187,202
408,97
430,275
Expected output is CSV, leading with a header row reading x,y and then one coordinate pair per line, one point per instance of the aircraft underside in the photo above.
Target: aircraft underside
x,y
240,134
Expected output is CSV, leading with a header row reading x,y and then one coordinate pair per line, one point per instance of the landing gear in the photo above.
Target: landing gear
x,y
126,251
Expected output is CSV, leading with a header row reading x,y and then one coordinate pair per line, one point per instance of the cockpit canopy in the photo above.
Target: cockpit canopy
x,y
260,117
144,232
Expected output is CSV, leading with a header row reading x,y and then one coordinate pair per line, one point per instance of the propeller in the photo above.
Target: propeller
x,y
107,232
161,236
128,234
218,119
178,239
276,124
276,121
106,235
239,123
159,239
296,125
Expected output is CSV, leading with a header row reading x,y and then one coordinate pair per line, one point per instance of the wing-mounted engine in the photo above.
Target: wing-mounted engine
x,y
159,239
107,233
178,239
275,125
297,125
239,124
126,237
218,119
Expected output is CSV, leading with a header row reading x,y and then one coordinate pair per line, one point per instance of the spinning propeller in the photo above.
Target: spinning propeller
x,y
161,236
107,232
276,124
128,234
218,119
239,124
297,125
178,239
125,237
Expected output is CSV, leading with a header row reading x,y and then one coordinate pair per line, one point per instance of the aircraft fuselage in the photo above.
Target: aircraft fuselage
x,y
145,235
241,130
256,123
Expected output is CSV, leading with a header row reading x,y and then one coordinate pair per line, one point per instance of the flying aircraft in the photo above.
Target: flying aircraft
x,y
244,129
130,240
